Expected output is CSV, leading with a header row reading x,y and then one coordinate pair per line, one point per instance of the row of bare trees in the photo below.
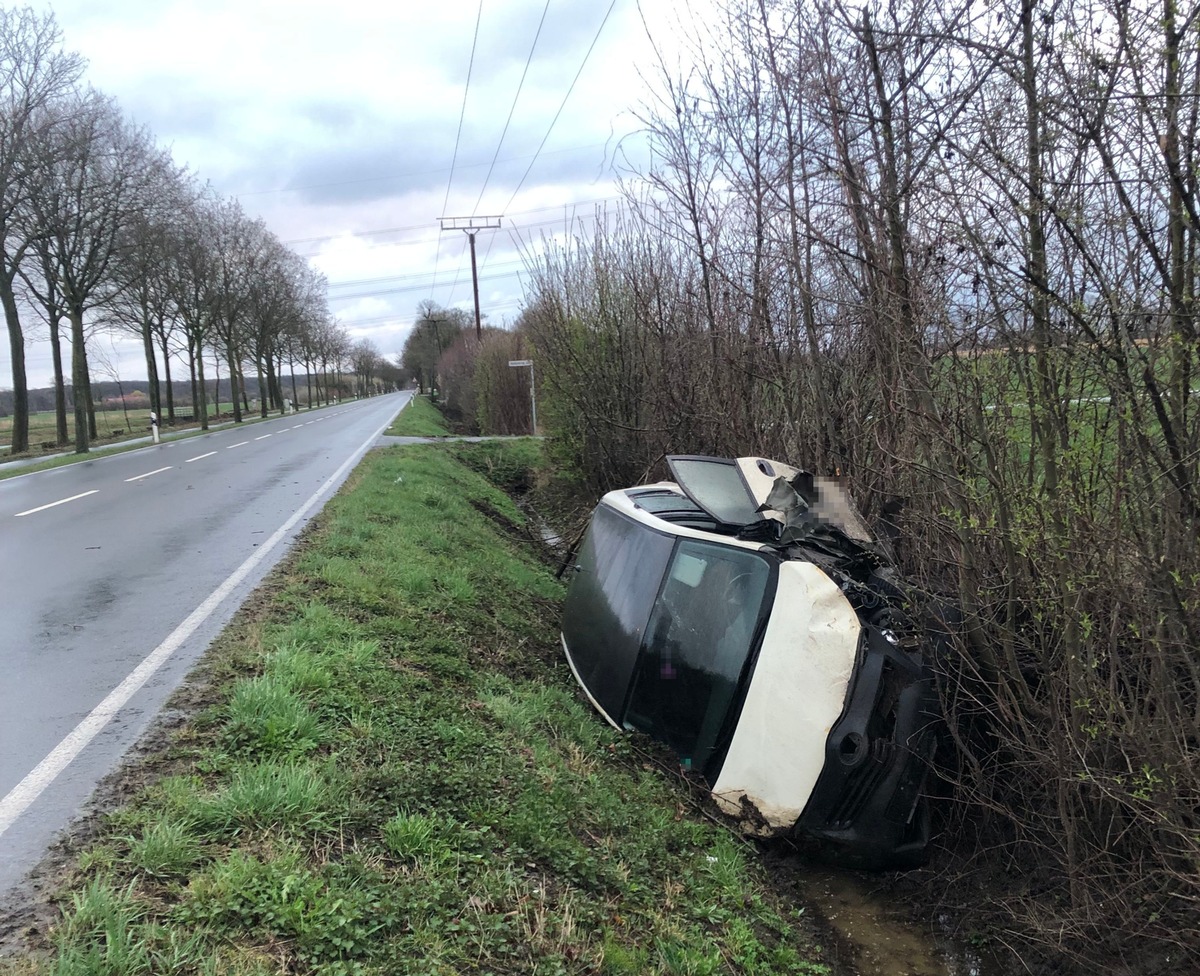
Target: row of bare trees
x,y
469,374
950,251
101,231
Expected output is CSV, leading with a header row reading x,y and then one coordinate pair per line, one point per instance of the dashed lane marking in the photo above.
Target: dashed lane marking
x,y
149,474
61,501
21,796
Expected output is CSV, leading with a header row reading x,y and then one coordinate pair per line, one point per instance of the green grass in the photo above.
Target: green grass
x,y
42,426
419,418
397,775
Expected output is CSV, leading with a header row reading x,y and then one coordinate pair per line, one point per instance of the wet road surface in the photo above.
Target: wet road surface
x,y
116,574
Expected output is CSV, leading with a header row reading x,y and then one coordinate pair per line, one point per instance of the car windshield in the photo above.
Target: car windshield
x,y
739,492
697,642
717,487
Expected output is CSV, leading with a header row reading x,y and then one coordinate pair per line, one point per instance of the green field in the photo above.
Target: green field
x,y
393,772
112,425
42,427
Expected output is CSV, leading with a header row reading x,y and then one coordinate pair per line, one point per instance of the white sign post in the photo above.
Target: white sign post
x,y
532,394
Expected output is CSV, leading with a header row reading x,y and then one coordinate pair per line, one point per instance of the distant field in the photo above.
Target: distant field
x,y
111,425
41,426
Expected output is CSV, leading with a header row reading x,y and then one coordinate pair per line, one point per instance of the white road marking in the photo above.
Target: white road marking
x,y
61,501
148,474
238,444
21,796
263,438
297,427
199,457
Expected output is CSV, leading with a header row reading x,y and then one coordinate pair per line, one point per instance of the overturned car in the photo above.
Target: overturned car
x,y
743,616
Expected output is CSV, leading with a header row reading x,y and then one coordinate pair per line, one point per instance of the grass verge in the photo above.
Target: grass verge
x,y
395,774
419,418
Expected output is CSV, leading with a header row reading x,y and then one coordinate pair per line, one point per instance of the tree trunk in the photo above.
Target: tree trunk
x,y
170,388
152,371
60,386
91,404
19,439
79,382
262,388
235,394
275,379
202,394
195,383
216,388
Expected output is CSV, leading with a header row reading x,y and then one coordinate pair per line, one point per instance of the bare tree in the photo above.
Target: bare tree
x,y
35,71
365,359
432,334
195,292
98,167
951,253
143,303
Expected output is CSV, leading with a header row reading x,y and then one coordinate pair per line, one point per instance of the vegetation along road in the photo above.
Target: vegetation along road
x,y
386,769
118,572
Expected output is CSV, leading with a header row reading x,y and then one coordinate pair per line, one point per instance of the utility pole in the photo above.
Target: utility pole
x,y
471,226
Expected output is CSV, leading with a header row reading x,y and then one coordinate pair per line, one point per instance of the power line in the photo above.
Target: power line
x,y
509,305
356,233
406,277
567,96
458,136
463,114
512,108
591,47
401,230
401,176
401,289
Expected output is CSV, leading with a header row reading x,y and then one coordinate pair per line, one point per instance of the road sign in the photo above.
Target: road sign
x,y
520,362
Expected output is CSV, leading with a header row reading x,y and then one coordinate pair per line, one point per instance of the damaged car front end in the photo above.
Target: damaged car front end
x,y
744,616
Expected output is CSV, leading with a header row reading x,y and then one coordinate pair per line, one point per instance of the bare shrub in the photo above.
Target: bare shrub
x,y
952,256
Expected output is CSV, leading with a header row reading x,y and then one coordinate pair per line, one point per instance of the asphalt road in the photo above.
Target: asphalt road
x,y
117,573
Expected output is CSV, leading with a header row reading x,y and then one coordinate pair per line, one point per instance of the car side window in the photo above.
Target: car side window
x,y
698,638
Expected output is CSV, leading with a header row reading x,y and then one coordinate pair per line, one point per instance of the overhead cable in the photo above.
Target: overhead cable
x,y
463,113
563,105
458,136
513,107
425,226
566,97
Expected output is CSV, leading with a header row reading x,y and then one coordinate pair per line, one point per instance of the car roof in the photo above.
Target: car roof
x,y
650,505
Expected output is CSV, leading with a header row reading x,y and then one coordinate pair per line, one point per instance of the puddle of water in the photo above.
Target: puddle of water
x,y
547,532
876,936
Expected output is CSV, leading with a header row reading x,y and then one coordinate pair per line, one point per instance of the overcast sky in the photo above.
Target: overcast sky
x,y
337,124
